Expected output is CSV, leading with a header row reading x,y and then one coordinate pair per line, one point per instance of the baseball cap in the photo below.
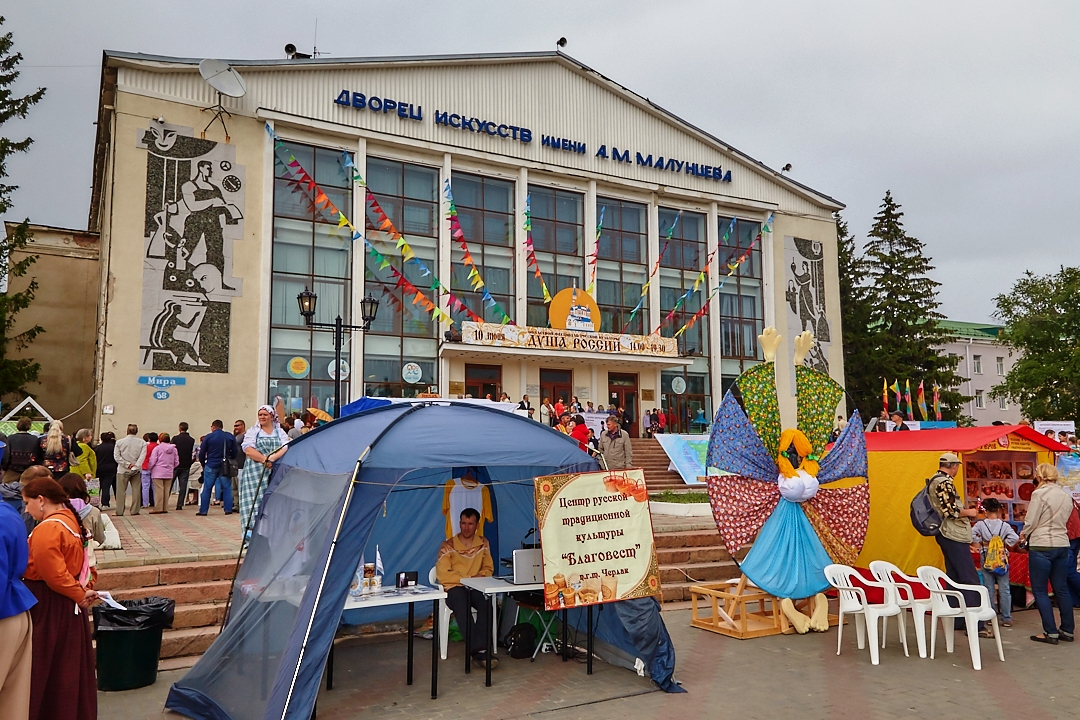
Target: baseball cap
x,y
948,459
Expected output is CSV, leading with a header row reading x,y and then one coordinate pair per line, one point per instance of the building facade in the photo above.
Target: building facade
x,y
65,306
465,193
984,363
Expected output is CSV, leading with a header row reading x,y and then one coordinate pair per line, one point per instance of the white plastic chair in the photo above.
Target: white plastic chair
x,y
941,589
445,614
887,573
853,602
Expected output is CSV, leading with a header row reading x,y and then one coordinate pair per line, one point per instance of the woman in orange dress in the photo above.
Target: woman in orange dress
x,y
62,683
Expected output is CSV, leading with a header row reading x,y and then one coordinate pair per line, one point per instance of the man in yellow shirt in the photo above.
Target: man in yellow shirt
x,y
467,555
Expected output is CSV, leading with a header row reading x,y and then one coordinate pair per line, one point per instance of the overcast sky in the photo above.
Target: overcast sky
x,y
967,111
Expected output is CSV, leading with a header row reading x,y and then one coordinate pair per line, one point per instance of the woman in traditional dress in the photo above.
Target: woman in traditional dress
x,y
263,444
62,683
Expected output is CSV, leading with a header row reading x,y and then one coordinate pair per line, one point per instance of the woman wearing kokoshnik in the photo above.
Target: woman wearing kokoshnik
x,y
263,444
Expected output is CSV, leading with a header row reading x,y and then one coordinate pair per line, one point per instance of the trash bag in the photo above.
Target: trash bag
x,y
143,614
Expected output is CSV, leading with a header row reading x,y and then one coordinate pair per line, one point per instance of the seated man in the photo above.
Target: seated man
x,y
467,555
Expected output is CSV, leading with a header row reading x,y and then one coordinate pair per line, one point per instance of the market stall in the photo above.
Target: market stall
x,y
996,461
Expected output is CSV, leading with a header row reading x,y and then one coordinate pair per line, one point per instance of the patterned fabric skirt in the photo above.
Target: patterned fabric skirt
x,y
253,480
63,685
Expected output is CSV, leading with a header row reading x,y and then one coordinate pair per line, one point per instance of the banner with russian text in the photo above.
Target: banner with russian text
x,y
597,539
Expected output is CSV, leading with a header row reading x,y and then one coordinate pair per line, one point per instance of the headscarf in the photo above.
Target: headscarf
x,y
273,413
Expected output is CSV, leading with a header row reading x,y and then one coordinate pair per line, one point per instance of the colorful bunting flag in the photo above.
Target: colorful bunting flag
x,y
937,402
530,250
592,258
474,277
921,396
907,398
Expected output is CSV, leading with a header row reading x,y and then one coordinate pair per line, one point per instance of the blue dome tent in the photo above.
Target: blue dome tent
x,y
377,477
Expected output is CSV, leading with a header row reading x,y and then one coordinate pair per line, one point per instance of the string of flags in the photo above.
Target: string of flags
x,y
697,282
732,268
320,201
656,267
530,250
474,277
920,399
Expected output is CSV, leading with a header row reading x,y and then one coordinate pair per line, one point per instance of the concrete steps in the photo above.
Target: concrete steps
x,y
650,457
690,557
200,590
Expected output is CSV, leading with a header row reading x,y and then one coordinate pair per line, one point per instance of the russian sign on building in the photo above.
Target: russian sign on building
x,y
532,338
596,534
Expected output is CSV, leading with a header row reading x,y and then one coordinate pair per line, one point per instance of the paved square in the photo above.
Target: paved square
x,y
775,677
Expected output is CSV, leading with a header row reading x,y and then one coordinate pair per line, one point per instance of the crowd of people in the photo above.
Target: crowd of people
x,y
49,527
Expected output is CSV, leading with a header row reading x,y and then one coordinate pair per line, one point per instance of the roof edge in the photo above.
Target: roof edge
x,y
162,62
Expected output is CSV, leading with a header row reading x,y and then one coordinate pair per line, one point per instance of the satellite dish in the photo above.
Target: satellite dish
x,y
222,77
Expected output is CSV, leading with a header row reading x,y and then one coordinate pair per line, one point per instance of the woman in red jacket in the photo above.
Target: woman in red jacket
x,y
62,684
580,432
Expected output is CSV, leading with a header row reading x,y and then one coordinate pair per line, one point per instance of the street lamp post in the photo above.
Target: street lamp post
x,y
369,308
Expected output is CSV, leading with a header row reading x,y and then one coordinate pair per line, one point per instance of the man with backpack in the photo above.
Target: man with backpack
x,y
954,537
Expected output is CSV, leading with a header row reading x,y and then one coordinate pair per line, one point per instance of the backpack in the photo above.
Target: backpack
x,y
997,557
521,641
924,517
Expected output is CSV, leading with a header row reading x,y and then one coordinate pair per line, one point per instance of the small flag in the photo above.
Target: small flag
x,y
884,394
907,398
895,387
378,561
921,395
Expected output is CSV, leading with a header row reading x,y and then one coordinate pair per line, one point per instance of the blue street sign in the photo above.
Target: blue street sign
x,y
161,381
161,395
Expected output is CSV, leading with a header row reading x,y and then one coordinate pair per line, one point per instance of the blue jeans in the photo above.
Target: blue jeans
x,y
1002,599
1074,576
212,477
1052,566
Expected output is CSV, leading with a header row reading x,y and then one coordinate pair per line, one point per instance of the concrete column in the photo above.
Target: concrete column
x,y
443,266
359,257
712,237
521,262
590,233
653,244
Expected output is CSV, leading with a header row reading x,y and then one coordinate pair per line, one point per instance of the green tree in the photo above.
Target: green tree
x,y
15,373
860,376
903,314
1042,323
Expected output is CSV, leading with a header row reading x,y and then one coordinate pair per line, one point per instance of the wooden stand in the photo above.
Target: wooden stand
x,y
743,611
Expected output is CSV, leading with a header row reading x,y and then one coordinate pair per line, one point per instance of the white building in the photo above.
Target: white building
x,y
984,363
208,238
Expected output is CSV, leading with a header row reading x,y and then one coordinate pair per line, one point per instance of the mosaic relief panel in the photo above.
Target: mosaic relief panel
x,y
194,213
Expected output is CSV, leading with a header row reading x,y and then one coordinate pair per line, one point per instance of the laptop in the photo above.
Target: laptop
x,y
528,567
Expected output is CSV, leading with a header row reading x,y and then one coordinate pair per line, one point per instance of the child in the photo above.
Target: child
x,y
984,531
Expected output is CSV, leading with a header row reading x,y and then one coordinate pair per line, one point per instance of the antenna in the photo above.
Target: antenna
x,y
226,81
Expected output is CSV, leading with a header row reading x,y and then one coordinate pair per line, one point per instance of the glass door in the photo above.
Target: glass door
x,y
623,393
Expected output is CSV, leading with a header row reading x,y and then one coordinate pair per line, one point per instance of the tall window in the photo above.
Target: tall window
x,y
486,211
980,399
740,301
976,364
680,265
1003,403
621,265
1001,366
403,332
557,233
309,250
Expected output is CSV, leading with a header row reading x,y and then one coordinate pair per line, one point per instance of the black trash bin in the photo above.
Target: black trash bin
x,y
129,642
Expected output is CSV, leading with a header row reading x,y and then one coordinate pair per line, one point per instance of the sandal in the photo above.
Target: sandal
x,y
986,633
1006,623
1045,639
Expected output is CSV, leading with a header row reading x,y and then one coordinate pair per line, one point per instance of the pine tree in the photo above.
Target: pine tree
x,y
15,373
903,315
860,377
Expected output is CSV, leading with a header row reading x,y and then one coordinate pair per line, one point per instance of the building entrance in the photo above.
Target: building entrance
x,y
623,393
557,385
483,380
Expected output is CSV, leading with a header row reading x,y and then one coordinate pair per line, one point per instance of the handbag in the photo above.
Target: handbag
x,y
228,464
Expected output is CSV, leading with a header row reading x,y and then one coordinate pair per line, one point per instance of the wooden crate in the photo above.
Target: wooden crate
x,y
741,610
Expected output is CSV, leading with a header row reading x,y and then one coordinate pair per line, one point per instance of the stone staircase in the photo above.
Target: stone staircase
x,y
650,457
200,590
690,552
